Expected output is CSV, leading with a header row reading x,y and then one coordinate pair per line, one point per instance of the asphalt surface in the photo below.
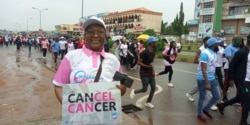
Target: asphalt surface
x,y
171,105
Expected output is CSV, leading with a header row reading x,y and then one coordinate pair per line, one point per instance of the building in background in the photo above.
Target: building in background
x,y
133,21
68,29
226,17
130,21
235,19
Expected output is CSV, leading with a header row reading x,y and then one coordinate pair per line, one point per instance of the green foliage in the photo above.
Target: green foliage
x,y
185,29
149,32
111,42
163,28
169,30
160,47
185,56
130,36
189,48
177,26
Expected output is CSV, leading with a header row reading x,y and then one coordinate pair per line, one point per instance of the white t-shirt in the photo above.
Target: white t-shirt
x,y
81,66
62,44
220,59
71,46
124,50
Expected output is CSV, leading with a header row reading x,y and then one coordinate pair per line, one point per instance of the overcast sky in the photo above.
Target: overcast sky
x,y
15,13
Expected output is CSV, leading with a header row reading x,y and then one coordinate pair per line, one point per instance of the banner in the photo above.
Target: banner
x,y
92,103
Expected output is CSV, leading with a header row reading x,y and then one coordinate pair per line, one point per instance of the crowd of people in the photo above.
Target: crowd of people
x,y
57,46
212,57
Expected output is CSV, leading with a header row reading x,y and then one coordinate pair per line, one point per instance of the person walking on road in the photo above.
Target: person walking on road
x,y
116,49
169,54
30,43
18,42
219,63
44,45
239,75
230,50
62,43
70,46
55,47
194,90
147,74
132,53
206,78
6,40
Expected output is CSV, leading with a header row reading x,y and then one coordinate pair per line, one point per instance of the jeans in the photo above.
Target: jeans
x,y
55,56
145,81
62,52
202,89
30,48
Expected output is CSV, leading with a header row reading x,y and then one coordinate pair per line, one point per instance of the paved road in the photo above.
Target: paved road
x,y
171,105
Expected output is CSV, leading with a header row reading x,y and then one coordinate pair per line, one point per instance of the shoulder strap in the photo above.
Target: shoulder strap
x,y
99,71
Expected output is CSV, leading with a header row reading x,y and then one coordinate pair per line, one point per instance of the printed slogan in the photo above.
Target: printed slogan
x,y
93,103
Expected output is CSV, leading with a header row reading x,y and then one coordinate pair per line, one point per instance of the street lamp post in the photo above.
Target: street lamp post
x,y
28,23
40,12
82,8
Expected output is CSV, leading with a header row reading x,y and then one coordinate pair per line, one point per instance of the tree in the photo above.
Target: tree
x,y
150,32
177,26
169,30
163,27
185,29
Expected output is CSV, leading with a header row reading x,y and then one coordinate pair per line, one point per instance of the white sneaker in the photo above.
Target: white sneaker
x,y
132,94
214,108
150,105
170,85
190,98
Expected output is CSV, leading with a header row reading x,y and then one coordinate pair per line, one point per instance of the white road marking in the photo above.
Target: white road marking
x,y
141,99
158,87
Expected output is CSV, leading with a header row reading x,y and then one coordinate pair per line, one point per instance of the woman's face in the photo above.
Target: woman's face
x,y
95,36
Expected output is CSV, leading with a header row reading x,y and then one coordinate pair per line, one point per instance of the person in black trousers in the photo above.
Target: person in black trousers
x,y
147,74
133,53
239,74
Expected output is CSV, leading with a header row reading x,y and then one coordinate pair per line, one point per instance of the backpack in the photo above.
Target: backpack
x,y
170,59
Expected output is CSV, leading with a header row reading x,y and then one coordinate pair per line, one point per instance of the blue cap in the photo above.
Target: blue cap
x,y
152,39
212,41
220,40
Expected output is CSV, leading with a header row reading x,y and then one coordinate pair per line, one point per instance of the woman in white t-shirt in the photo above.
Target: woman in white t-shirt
x,y
70,46
81,65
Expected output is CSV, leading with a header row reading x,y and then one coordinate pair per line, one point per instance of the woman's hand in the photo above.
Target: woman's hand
x,y
122,88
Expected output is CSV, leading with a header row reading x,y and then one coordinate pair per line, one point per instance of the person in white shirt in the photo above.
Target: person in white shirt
x,y
123,52
115,49
219,63
70,45
62,43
